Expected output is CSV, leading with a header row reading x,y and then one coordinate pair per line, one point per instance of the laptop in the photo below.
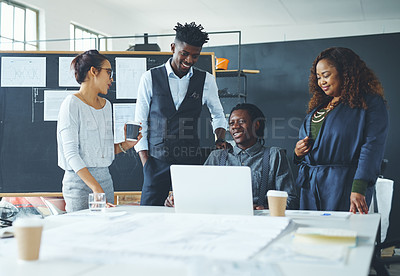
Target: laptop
x,y
212,189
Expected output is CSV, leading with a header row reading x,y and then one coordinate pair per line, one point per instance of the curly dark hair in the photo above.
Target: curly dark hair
x,y
357,80
191,33
256,115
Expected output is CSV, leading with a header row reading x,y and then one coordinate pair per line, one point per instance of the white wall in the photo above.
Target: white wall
x,y
56,15
327,30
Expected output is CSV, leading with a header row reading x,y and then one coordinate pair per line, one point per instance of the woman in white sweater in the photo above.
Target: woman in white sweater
x,y
84,134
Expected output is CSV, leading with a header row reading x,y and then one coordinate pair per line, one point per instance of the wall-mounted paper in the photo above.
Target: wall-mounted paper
x,y
122,114
128,73
23,72
66,76
52,103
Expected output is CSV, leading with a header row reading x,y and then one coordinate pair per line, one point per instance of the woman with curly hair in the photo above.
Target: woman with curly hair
x,y
342,138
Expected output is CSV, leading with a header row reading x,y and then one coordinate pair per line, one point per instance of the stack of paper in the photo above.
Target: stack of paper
x,y
323,244
185,237
325,236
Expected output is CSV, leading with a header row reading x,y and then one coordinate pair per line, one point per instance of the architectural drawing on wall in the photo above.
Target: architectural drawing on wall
x,y
52,101
23,72
66,76
128,73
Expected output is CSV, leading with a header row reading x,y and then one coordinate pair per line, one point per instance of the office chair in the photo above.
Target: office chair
x,y
380,263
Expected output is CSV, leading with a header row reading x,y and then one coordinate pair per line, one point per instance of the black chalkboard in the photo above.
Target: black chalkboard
x,y
281,89
28,144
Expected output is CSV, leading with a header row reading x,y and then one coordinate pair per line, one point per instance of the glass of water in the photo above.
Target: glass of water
x,y
97,201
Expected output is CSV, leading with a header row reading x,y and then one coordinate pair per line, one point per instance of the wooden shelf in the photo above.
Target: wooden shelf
x,y
233,73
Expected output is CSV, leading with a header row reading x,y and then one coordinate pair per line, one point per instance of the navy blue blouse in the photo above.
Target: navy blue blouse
x,y
350,145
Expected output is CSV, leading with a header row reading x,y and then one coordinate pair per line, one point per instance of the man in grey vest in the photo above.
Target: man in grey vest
x,y
169,103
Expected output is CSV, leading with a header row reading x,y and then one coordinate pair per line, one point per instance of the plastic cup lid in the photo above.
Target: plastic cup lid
x,y
277,193
28,222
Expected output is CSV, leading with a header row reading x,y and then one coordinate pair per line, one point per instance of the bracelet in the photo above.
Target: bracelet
x,y
220,140
121,148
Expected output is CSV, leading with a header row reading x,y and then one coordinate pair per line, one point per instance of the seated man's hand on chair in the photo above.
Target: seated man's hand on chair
x,y
169,202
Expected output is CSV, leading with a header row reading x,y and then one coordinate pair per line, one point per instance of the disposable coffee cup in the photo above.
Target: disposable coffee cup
x,y
28,232
277,203
132,131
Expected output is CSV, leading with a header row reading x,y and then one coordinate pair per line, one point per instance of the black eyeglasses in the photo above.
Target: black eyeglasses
x,y
110,71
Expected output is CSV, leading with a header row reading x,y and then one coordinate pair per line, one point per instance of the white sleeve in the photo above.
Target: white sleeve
x,y
211,99
68,128
145,93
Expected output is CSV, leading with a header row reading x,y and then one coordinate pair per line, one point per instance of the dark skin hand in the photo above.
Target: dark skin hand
x,y
303,146
256,207
223,145
169,202
143,156
358,203
220,133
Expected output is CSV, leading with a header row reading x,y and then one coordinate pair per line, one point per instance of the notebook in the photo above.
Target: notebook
x,y
212,189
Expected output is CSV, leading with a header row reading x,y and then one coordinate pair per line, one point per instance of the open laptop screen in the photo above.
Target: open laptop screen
x,y
212,189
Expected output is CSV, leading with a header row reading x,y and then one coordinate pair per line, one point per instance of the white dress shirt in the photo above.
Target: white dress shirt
x,y
178,88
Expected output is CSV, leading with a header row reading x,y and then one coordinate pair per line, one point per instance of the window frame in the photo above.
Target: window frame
x,y
13,41
97,37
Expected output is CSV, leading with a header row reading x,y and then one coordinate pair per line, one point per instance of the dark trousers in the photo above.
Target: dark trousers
x,y
157,182
311,201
